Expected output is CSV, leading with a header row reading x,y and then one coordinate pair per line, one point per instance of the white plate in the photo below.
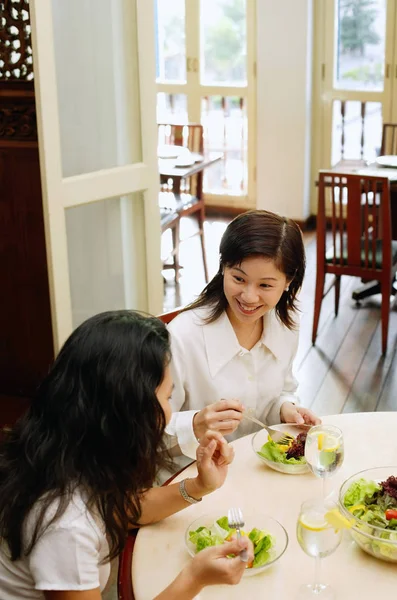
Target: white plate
x,y
387,161
169,151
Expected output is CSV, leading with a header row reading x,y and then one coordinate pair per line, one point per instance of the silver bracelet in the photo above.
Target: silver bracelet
x,y
185,495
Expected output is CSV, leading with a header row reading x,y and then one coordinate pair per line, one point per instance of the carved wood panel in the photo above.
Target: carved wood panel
x,y
26,343
16,61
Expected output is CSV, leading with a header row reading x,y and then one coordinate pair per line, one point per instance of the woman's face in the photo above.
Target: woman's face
x,y
163,393
252,288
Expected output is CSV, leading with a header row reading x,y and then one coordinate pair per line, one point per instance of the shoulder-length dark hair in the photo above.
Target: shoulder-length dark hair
x,y
95,424
259,233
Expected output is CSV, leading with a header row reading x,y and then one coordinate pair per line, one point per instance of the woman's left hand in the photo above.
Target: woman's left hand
x,y
290,413
213,457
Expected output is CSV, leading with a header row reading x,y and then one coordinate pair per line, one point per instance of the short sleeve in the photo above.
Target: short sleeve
x,y
66,559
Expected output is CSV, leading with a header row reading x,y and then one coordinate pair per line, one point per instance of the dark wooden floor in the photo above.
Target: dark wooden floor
x,y
345,371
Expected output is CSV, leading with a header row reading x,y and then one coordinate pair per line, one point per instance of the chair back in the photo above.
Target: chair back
x,y
190,136
168,316
389,139
359,207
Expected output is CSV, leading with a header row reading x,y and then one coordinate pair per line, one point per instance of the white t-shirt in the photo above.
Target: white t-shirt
x,y
209,364
66,557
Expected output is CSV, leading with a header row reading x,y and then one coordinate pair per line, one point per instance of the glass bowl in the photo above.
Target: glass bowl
x,y
258,520
259,439
377,541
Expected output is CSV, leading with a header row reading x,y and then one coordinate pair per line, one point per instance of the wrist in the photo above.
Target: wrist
x,y
196,427
189,584
285,405
195,488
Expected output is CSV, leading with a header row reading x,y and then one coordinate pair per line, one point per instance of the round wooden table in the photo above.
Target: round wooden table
x,y
160,552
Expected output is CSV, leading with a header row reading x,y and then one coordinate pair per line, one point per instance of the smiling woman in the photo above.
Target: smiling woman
x,y
233,348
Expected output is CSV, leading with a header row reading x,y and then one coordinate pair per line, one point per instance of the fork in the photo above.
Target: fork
x,y
235,521
278,437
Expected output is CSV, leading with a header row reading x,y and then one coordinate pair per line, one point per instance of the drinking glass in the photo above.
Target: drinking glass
x,y
317,539
324,451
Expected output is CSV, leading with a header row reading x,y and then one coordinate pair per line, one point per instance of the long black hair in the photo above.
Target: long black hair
x,y
95,424
258,233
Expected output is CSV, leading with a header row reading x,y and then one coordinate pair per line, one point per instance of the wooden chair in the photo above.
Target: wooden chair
x,y
124,578
178,198
389,139
168,316
361,237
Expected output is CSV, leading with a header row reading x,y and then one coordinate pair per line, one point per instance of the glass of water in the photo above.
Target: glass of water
x,y
317,539
324,451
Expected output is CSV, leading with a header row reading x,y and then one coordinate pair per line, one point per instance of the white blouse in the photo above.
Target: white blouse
x,y
68,556
208,364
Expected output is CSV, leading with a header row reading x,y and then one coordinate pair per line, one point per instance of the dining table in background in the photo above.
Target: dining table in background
x,y
168,169
160,551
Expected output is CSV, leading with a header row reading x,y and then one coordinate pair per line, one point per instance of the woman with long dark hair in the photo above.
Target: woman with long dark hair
x,y
76,472
233,348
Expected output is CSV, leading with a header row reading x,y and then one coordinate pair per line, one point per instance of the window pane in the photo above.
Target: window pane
x,y
99,105
356,130
361,26
171,108
106,256
225,130
170,37
223,41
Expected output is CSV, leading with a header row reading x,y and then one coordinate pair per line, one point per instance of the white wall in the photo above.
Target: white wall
x,y
284,87
99,113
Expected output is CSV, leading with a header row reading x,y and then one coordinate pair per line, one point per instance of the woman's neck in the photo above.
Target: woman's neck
x,y
248,334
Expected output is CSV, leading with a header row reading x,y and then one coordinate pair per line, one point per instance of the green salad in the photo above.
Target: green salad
x,y
375,505
220,532
294,454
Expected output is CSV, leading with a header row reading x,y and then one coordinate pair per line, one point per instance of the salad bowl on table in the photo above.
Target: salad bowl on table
x,y
275,456
268,536
369,500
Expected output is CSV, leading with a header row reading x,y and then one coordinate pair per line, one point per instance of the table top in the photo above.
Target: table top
x,y
360,168
167,168
160,552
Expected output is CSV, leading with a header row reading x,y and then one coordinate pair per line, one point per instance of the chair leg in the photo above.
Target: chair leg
x,y
175,245
318,298
201,218
385,313
337,293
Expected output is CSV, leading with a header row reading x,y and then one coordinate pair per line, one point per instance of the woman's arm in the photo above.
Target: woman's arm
x,y
213,457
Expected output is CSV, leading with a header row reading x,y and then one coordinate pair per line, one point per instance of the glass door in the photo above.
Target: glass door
x,y
94,69
357,77
206,74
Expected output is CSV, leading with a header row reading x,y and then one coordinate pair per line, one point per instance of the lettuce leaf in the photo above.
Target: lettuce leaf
x,y
360,492
219,532
271,451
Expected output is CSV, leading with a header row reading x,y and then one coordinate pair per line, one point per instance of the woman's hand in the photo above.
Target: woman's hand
x,y
211,566
213,457
223,416
299,415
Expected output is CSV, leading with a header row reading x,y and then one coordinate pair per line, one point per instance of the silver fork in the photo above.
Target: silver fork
x,y
236,521
278,437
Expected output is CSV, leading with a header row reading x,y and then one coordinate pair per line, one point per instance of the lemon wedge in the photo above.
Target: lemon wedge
x,y
320,441
337,520
357,507
312,523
